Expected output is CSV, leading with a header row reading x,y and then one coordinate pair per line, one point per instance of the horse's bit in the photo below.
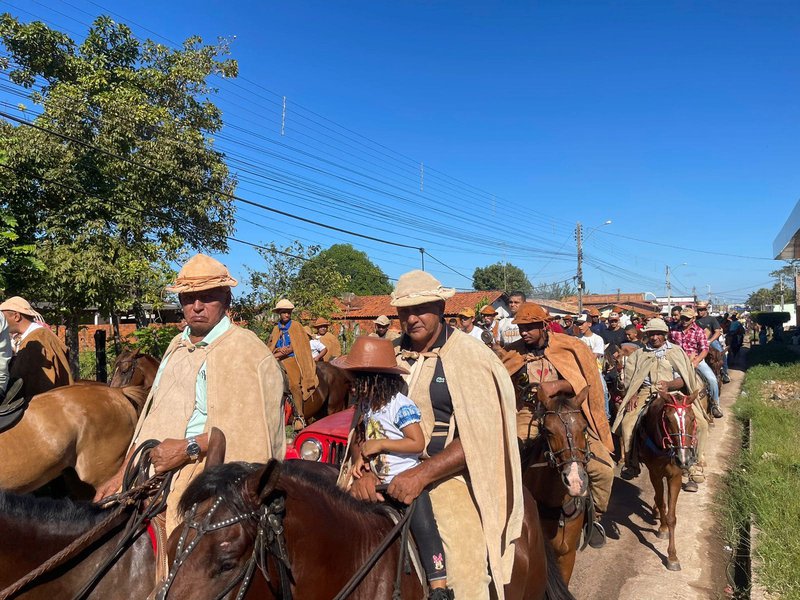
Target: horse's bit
x,y
572,451
269,539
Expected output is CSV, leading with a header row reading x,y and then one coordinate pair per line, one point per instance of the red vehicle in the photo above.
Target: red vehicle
x,y
324,440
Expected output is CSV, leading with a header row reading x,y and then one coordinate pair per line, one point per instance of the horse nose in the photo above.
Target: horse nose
x,y
575,480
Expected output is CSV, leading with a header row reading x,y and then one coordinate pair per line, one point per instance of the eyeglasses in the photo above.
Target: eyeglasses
x,y
463,318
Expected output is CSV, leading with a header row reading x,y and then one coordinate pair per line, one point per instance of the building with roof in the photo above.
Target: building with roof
x,y
786,246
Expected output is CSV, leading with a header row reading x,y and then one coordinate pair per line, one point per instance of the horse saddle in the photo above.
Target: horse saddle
x,y
11,406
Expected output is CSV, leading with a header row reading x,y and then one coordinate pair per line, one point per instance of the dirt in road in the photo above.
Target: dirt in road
x,y
632,565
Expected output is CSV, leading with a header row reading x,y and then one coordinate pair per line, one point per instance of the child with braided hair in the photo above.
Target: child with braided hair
x,y
392,441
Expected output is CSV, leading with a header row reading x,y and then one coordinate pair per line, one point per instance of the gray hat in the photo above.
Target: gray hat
x,y
382,320
656,325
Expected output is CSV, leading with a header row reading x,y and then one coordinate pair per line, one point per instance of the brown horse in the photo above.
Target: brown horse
x,y
308,538
557,479
667,444
331,394
34,529
83,427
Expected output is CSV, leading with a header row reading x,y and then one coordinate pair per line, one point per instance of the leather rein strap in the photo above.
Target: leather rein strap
x,y
132,495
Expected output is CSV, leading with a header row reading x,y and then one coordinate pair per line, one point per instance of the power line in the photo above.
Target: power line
x,y
627,237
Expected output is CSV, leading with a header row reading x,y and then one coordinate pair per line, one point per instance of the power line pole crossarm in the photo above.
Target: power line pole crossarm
x,y
579,241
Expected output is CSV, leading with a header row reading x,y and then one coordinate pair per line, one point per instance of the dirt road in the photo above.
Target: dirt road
x,y
632,564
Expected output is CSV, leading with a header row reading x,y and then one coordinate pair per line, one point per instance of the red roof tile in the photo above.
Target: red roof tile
x,y
370,307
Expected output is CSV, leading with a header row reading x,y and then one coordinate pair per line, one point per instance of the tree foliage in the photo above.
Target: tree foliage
x,y
554,291
365,277
501,276
133,178
300,273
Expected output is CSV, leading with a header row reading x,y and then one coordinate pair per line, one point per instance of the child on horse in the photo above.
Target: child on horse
x,y
392,441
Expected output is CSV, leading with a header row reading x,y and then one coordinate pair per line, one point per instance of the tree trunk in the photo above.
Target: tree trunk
x,y
117,336
73,346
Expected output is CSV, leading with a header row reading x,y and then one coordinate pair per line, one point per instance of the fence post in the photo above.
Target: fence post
x,y
100,355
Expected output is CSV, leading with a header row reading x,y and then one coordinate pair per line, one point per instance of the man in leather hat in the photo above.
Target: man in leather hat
x,y
41,358
322,328
564,364
213,374
490,323
290,346
382,330
473,470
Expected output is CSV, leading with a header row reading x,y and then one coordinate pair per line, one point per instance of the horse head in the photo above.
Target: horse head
x,y
564,428
124,368
233,524
678,428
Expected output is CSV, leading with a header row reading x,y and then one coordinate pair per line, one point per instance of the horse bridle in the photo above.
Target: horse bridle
x,y
572,452
681,435
269,540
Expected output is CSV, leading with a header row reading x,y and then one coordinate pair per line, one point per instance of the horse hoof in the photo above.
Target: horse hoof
x,y
673,565
663,535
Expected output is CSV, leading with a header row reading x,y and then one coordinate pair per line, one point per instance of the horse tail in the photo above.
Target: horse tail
x,y
556,588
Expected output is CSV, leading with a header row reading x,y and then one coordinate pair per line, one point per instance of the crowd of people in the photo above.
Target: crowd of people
x,y
439,420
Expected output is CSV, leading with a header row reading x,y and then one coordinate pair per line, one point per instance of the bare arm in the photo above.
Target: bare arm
x,y
413,442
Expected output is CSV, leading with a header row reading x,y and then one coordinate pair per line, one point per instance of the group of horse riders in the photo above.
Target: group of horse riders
x,y
477,426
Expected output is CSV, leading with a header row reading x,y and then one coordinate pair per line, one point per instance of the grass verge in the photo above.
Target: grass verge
x,y
764,481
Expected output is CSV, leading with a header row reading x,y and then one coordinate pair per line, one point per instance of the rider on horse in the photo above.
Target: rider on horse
x,y
40,359
659,366
566,365
289,344
213,374
328,339
472,471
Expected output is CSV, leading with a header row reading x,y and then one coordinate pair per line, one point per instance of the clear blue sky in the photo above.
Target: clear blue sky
x,y
678,121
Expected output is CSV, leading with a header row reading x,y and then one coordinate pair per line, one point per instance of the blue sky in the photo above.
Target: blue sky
x,y
678,121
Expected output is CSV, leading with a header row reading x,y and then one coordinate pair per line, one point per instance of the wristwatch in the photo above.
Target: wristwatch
x,y
192,449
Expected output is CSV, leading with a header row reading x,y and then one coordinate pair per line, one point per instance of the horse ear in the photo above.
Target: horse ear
x,y
544,399
693,396
262,483
577,401
215,454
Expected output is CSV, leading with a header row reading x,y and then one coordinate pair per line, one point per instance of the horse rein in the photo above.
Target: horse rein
x,y
132,494
269,539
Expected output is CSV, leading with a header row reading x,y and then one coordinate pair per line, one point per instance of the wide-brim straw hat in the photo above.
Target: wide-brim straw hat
x,y
321,322
372,355
529,313
657,325
201,272
22,306
418,287
283,304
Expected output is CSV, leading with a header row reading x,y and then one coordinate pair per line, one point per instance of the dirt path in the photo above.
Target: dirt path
x,y
632,564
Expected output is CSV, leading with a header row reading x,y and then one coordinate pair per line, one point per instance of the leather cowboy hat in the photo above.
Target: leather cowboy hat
x,y
371,354
418,287
488,310
321,322
531,313
201,272
283,304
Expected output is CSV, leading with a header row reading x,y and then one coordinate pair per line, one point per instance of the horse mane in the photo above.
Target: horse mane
x,y
227,481
53,511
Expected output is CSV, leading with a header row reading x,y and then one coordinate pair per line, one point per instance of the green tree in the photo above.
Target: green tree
x,y
501,276
297,272
366,278
120,174
554,291
765,297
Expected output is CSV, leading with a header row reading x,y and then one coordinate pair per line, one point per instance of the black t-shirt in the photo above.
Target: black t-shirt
x,y
616,336
708,322
441,401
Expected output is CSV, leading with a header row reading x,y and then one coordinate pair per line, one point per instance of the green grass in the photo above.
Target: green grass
x,y
765,481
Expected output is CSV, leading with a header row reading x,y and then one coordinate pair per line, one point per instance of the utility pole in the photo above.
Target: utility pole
x,y
579,241
669,291
422,257
781,292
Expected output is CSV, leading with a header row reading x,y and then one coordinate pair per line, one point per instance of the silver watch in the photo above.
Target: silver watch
x,y
192,449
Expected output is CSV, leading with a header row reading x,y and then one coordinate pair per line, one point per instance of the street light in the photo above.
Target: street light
x,y
579,240
669,285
